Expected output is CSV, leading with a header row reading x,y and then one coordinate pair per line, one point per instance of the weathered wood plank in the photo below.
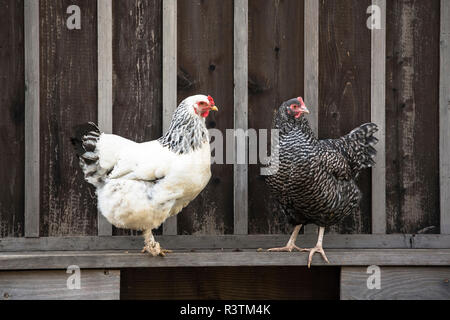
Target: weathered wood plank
x,y
332,241
32,111
312,62
137,82
444,116
276,74
378,116
68,95
169,76
52,285
240,113
242,283
344,86
205,57
12,121
412,133
311,81
105,85
397,283
221,258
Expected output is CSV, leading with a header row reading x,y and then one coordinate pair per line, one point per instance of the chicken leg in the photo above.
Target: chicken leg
x,y
153,247
318,248
290,246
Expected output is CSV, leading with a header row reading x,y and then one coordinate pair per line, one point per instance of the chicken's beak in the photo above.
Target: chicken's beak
x,y
304,109
214,108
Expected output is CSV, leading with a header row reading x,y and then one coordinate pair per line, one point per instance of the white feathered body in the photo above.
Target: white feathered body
x,y
140,185
149,182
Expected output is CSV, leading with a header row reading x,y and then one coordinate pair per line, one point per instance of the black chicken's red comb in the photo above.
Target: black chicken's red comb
x,y
211,101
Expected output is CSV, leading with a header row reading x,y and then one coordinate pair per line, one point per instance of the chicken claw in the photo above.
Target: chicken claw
x,y
155,250
312,251
288,248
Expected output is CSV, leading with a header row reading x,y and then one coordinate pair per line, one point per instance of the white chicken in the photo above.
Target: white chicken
x,y
140,185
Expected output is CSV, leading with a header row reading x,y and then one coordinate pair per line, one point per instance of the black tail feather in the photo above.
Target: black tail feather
x,y
85,139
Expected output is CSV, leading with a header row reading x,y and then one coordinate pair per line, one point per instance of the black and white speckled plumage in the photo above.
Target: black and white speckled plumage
x,y
315,181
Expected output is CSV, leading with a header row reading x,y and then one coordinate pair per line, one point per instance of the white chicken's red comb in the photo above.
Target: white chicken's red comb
x,y
211,101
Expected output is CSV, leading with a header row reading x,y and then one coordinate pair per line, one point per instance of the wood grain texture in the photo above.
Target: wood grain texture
x,y
105,85
221,258
137,61
52,285
397,283
205,54
240,113
32,112
276,72
378,116
311,77
279,283
412,115
169,76
68,62
345,86
444,117
12,106
333,241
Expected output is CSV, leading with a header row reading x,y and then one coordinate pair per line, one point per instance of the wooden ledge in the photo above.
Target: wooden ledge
x,y
186,242
219,258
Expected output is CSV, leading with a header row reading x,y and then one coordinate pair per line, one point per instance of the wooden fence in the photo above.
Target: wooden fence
x,y
133,61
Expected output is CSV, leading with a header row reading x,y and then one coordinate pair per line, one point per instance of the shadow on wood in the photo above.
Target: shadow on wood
x,y
230,283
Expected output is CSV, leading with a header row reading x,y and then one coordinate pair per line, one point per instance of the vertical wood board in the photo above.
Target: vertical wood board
x,y
276,74
68,64
412,116
12,121
378,111
206,63
137,72
345,86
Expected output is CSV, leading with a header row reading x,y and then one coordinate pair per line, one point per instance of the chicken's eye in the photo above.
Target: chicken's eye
x,y
202,104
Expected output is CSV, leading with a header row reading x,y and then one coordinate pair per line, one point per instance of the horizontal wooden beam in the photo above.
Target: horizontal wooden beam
x,y
331,241
396,283
220,258
52,285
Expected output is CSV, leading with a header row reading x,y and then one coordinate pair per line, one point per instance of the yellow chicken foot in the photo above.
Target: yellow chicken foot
x,y
318,248
290,246
153,247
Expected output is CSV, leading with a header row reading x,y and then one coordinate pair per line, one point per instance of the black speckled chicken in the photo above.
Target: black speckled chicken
x,y
314,181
